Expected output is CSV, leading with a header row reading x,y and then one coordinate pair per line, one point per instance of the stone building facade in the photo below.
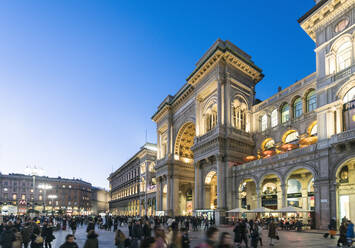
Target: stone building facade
x,y
99,200
219,148
19,193
133,186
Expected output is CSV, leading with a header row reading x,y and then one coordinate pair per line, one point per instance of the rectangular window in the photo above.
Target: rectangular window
x,y
274,118
263,122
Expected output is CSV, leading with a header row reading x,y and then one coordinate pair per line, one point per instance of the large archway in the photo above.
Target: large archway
x,y
271,192
210,190
183,155
300,194
184,142
247,194
345,179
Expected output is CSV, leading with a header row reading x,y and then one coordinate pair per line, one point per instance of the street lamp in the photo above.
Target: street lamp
x,y
52,197
45,187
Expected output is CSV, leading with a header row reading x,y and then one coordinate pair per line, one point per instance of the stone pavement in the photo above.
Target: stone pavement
x,y
287,238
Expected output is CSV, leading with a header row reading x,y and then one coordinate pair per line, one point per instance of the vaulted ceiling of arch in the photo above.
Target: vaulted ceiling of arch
x,y
185,141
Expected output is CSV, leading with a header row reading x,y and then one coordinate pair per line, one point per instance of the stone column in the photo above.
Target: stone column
x,y
333,200
219,102
221,190
304,199
197,186
258,197
208,196
282,196
322,205
201,189
339,119
169,196
175,197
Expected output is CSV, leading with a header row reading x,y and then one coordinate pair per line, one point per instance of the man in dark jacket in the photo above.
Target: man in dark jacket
x,y
26,234
69,242
147,232
7,237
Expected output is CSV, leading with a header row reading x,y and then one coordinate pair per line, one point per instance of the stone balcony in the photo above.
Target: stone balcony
x,y
343,137
278,158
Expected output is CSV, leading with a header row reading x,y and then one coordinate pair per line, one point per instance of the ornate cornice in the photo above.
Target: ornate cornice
x,y
326,13
230,58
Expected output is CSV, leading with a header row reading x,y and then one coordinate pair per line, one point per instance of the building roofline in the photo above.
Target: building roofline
x,y
312,10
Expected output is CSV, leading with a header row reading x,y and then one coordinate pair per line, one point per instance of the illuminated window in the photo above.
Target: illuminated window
x,y
344,56
40,197
69,186
269,144
297,107
264,122
23,197
239,114
314,130
14,197
311,101
274,118
292,136
210,117
285,113
349,96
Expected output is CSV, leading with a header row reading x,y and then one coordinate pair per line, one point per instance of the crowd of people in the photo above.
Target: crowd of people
x,y
151,232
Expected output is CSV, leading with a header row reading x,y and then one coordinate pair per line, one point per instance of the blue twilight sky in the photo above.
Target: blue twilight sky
x,y
81,79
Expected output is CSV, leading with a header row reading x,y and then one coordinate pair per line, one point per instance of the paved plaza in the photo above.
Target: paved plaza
x,y
287,238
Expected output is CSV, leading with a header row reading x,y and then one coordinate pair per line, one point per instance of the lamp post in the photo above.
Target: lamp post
x,y
52,197
45,187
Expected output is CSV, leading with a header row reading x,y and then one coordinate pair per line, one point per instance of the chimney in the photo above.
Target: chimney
x,y
279,89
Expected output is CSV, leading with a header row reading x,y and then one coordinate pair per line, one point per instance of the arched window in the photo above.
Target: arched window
x,y
311,101
264,122
268,144
344,56
274,120
291,136
297,107
285,113
349,96
239,113
210,117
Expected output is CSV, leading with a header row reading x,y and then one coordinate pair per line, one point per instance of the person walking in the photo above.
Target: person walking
x,y
147,231
18,239
26,234
211,238
69,242
120,239
350,233
47,234
254,235
160,241
342,233
92,241
272,232
225,241
185,238
7,237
